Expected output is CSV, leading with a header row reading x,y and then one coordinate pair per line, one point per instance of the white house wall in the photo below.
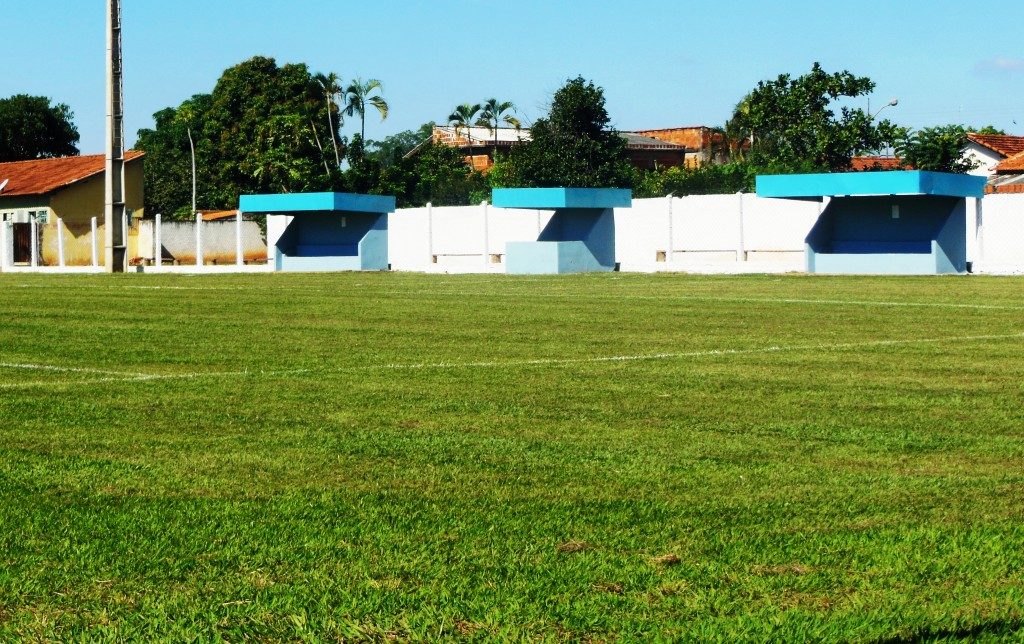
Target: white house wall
x,y
984,158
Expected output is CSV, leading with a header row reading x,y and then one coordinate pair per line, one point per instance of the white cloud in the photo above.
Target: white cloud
x,y
1000,64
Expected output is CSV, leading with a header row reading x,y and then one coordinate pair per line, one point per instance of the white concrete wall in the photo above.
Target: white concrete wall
x,y
467,239
1000,243
706,234
715,233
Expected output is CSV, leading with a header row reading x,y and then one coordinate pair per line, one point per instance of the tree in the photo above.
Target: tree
x,y
794,127
392,149
573,147
332,87
710,179
465,116
32,128
358,94
261,130
494,113
939,149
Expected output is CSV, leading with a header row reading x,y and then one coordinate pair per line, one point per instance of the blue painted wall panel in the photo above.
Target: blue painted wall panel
x,y
331,242
316,202
875,264
554,198
908,182
861,235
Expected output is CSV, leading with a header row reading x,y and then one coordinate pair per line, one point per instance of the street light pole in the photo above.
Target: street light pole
x,y
115,237
893,103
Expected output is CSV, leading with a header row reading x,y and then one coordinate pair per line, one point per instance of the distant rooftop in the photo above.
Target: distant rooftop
x,y
43,176
1011,165
507,136
1005,145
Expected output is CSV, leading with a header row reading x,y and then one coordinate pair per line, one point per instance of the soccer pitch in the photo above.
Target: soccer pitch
x,y
374,456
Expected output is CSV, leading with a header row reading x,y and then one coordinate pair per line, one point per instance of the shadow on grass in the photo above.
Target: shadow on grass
x,y
994,627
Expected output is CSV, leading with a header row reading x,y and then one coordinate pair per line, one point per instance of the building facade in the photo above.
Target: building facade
x,y
60,197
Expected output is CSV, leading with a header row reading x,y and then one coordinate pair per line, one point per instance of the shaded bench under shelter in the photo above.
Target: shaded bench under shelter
x,y
328,231
579,238
900,222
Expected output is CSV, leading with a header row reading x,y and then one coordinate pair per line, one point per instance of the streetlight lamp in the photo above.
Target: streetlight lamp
x,y
893,103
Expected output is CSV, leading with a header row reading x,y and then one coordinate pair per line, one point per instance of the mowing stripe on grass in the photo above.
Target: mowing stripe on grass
x,y
488,364
575,295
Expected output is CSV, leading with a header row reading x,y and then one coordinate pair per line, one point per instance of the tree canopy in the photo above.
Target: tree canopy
x,y
573,147
795,126
32,128
940,148
264,128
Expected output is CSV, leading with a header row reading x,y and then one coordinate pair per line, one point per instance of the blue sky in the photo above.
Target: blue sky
x,y
662,63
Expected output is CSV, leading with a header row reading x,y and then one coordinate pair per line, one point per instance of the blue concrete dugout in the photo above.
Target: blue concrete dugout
x,y
580,238
329,231
901,222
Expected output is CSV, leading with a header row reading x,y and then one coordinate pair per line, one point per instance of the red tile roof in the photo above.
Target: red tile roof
x,y
1004,190
860,164
43,176
217,215
1003,144
1013,165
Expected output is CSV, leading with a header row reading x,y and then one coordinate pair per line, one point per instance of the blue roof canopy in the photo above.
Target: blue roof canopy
x,y
544,198
297,203
867,184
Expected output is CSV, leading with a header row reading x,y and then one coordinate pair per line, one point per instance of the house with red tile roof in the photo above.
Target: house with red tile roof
x,y
1009,176
69,189
989,150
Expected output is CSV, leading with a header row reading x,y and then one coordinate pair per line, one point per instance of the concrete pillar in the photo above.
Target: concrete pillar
x,y
35,241
3,244
60,242
199,239
671,242
487,241
239,256
741,249
158,242
430,233
95,243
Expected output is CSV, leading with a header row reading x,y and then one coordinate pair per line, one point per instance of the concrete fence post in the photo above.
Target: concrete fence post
x,y
430,233
741,249
34,227
60,242
158,242
94,229
3,244
239,256
487,241
979,233
199,239
671,235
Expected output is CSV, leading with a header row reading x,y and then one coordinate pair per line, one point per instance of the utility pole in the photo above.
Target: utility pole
x,y
115,237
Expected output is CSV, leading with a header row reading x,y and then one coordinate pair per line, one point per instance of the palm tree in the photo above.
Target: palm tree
x,y
358,95
494,112
466,116
332,87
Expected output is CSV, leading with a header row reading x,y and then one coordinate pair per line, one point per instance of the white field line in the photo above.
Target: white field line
x,y
49,367
574,295
488,364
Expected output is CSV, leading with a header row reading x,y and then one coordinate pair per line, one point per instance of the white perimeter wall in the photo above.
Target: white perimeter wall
x,y
709,234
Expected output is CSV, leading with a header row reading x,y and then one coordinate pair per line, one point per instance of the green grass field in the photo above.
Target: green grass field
x,y
631,457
